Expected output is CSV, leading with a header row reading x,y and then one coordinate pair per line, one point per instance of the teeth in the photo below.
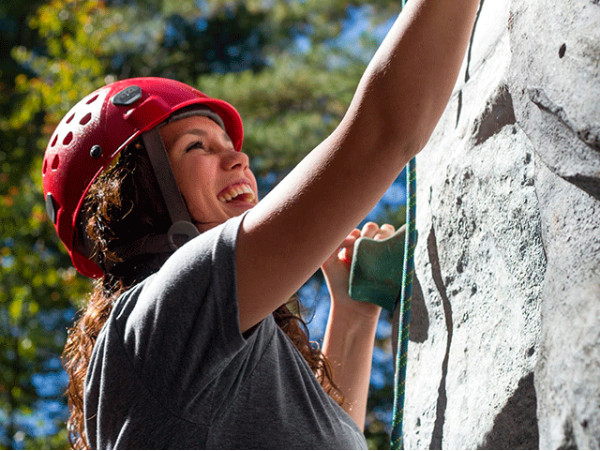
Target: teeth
x,y
237,190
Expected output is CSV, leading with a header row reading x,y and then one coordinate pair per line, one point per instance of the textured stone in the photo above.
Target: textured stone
x,y
506,348
554,78
568,370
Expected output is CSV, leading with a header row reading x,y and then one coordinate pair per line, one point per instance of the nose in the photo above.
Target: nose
x,y
235,160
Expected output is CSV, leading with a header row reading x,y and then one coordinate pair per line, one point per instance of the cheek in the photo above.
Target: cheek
x,y
196,180
184,179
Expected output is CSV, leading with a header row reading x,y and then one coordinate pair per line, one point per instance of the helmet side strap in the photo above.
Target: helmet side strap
x,y
181,222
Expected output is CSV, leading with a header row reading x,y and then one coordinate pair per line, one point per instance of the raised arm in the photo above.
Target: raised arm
x,y
398,102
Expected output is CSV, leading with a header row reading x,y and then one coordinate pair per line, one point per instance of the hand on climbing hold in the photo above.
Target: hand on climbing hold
x,y
337,267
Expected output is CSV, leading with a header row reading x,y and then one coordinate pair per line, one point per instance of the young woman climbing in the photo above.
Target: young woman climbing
x,y
189,339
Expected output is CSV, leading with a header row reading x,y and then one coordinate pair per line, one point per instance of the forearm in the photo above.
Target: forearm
x,y
348,345
411,77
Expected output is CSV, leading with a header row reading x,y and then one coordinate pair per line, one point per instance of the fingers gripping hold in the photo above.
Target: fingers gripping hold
x,y
386,231
370,230
376,268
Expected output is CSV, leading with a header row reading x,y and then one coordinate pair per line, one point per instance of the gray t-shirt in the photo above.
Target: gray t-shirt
x,y
171,369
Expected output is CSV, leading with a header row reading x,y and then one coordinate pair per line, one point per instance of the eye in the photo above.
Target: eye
x,y
195,145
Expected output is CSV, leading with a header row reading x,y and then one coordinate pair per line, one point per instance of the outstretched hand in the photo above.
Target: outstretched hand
x,y
337,269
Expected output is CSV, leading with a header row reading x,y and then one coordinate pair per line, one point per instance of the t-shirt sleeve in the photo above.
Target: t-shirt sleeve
x,y
183,330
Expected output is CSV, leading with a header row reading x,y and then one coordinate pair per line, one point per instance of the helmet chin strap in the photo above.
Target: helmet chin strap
x,y
182,228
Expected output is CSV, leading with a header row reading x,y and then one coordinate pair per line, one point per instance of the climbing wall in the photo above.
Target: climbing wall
x,y
505,330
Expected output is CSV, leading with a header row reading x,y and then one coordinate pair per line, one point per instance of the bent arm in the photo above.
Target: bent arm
x,y
350,334
398,102
348,345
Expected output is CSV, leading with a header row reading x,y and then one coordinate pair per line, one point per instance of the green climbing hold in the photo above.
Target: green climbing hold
x,y
376,271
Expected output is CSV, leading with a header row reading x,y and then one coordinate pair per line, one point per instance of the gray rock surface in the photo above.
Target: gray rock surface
x,y
508,258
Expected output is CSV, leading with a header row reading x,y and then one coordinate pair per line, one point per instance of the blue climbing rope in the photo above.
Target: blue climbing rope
x,y
397,441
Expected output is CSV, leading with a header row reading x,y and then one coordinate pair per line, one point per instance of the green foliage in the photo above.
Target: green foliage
x,y
289,107
39,286
278,61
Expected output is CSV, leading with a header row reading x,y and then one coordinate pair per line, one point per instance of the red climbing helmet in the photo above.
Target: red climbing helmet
x,y
97,129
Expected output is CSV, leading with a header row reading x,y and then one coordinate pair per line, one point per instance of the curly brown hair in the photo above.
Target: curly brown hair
x,y
122,206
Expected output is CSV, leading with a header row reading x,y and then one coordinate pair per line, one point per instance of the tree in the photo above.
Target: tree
x,y
40,289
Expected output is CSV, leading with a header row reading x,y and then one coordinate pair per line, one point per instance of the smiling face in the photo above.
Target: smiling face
x,y
214,179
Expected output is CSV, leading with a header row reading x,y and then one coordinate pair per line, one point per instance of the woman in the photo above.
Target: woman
x,y
196,348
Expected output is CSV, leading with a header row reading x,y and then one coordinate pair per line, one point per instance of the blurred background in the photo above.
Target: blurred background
x,y
289,66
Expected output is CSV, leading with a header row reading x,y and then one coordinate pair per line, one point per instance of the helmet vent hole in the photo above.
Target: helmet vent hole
x,y
54,141
92,99
45,166
54,164
68,138
70,118
85,119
